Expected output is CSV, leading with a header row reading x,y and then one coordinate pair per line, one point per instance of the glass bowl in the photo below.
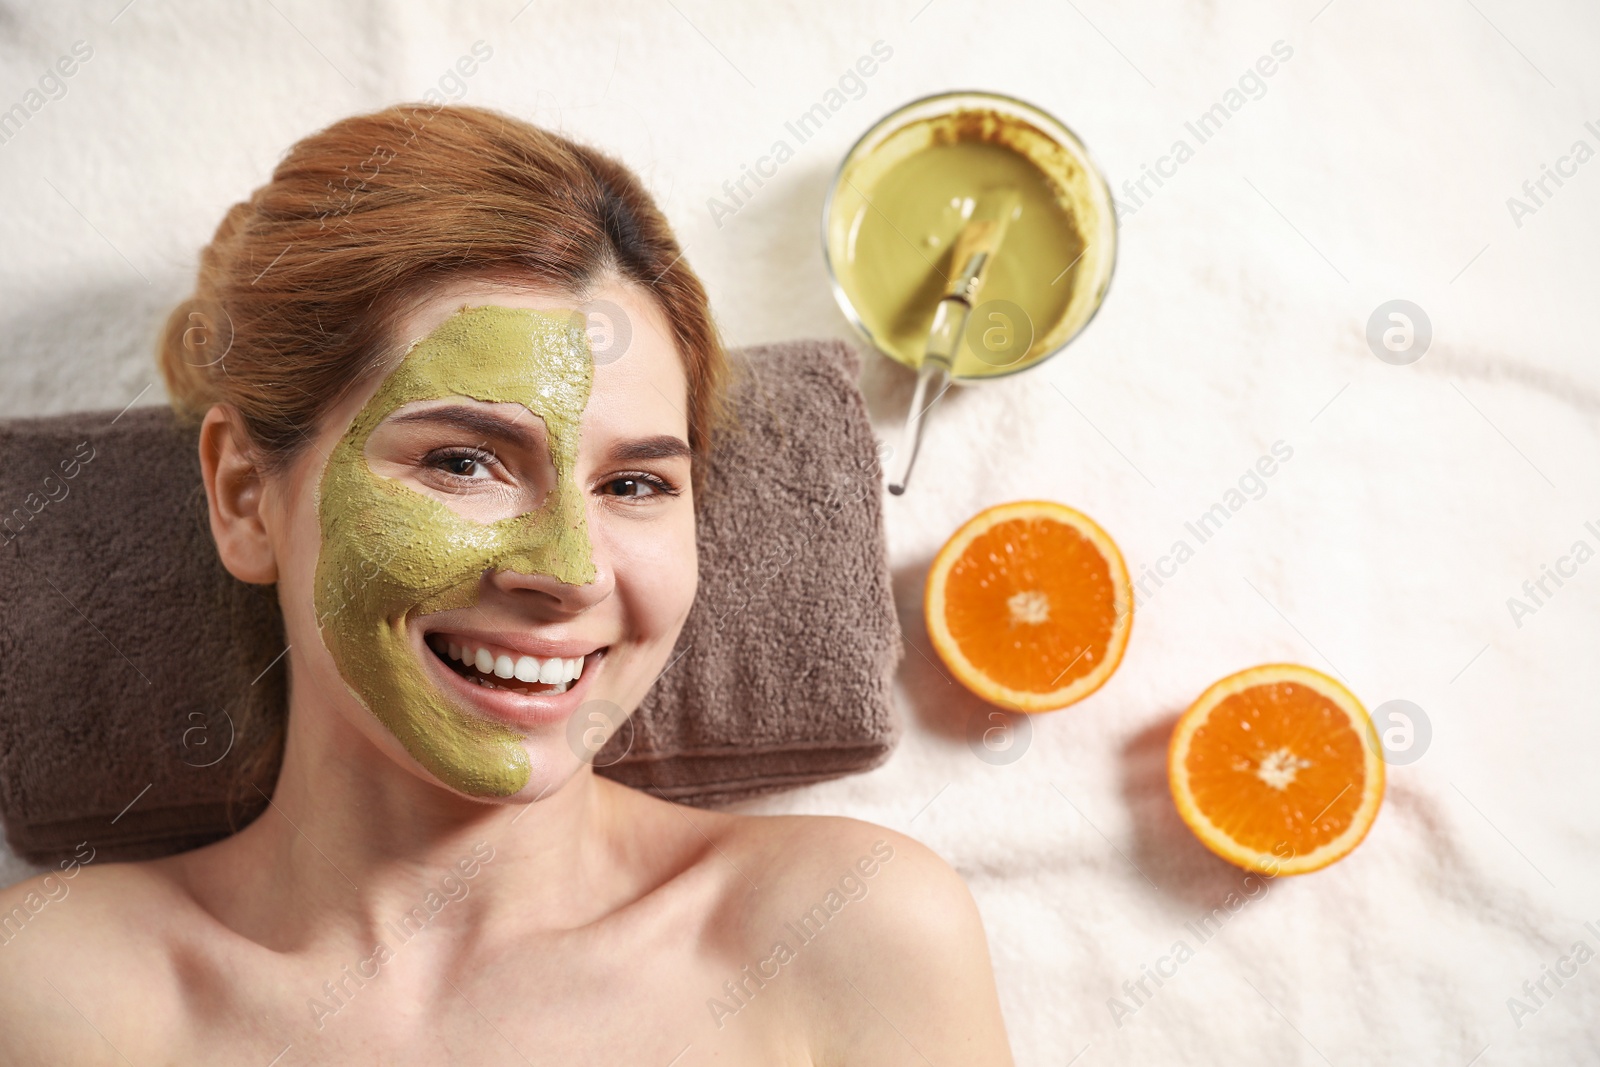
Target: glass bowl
x,y
972,115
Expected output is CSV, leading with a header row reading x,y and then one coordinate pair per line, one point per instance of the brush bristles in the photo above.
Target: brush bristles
x,y
979,235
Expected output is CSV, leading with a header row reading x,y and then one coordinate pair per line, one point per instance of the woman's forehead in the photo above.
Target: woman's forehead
x,y
495,353
429,310
638,385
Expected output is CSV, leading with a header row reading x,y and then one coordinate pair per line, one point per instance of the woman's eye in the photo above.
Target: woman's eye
x,y
636,486
463,465
629,487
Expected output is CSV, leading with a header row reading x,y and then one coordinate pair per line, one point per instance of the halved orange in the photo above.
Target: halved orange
x,y
1029,605
1277,769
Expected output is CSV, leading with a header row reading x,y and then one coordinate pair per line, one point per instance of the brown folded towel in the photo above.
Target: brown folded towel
x,y
122,638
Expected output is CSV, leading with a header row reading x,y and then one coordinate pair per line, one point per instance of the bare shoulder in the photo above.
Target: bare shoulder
x,y
881,934
81,952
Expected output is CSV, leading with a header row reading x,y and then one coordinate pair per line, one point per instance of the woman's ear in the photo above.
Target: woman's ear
x,y
234,489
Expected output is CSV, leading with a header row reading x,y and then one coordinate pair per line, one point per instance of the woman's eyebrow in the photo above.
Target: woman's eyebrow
x,y
483,423
662,446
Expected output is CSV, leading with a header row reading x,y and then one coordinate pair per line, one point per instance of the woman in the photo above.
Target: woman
x,y
479,520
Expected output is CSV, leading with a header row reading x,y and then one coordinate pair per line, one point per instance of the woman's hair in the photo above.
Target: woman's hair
x,y
302,285
301,289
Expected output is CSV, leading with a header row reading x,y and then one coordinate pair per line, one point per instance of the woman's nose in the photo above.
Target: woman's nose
x,y
565,595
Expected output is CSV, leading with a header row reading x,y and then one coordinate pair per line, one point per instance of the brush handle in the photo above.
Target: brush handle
x,y
932,380
972,250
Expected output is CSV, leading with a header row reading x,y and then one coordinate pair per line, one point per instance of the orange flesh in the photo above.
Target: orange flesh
x,y
1323,751
1060,575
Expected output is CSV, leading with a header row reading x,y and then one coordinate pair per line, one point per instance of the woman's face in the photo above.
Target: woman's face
x,y
486,555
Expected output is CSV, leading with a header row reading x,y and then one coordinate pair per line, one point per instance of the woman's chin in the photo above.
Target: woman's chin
x,y
552,767
552,773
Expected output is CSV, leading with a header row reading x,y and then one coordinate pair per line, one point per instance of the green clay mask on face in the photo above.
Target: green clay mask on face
x,y
391,553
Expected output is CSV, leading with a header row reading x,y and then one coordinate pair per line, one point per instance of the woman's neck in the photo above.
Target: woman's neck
x,y
352,844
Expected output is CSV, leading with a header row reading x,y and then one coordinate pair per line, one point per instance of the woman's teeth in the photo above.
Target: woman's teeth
x,y
557,672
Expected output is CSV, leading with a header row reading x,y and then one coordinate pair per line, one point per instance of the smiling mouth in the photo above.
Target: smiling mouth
x,y
498,668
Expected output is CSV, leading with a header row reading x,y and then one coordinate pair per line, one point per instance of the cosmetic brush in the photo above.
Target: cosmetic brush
x,y
970,262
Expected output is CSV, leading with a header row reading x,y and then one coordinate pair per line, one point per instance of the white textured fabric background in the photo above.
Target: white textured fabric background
x,y
1376,165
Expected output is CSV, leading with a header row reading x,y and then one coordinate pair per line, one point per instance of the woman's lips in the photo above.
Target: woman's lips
x,y
512,700
497,666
